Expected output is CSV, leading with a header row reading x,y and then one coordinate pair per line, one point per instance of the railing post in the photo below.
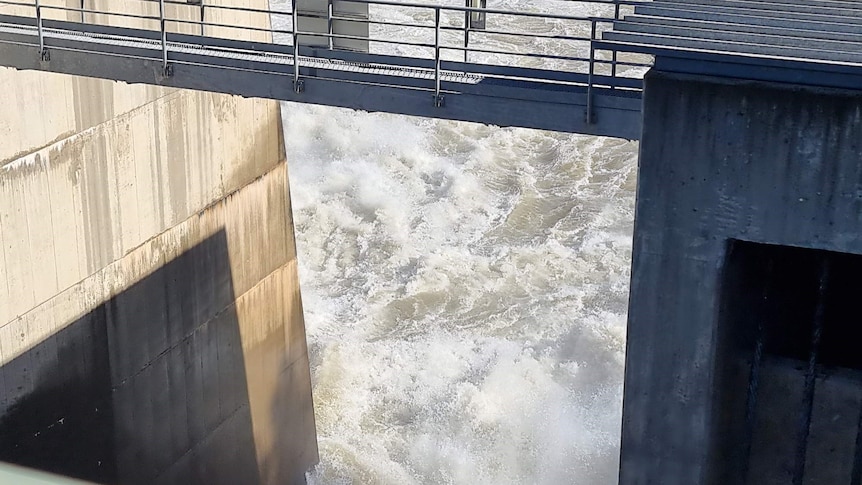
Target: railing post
x,y
297,82
589,119
438,98
614,52
329,12
167,71
43,52
466,32
203,16
473,20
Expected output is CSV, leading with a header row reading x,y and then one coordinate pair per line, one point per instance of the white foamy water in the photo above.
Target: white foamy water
x,y
465,294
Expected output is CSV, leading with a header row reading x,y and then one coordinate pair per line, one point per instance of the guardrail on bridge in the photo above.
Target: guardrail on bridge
x,y
519,66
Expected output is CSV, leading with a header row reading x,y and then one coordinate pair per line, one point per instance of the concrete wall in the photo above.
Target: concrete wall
x,y
723,160
151,326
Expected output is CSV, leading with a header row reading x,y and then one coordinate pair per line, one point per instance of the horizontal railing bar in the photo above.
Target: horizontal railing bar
x,y
197,6
523,54
372,22
19,4
451,28
456,8
442,8
227,26
97,29
99,12
525,34
156,18
363,38
622,63
235,8
167,19
348,56
459,28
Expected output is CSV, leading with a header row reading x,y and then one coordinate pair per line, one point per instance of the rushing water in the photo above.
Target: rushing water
x,y
465,296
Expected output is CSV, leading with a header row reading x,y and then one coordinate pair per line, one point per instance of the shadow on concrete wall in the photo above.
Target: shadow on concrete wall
x,y
294,449
149,387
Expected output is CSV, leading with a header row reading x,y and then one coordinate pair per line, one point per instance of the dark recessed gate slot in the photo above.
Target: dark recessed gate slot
x,y
808,392
856,475
788,394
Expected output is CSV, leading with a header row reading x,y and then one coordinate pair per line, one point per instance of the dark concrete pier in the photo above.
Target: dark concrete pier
x,y
742,364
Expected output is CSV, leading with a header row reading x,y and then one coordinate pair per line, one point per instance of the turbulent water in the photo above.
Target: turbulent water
x,y
465,295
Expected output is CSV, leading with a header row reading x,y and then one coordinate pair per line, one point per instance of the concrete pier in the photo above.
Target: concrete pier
x,y
151,326
742,356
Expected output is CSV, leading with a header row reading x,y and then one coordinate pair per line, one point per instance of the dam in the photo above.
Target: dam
x,y
706,231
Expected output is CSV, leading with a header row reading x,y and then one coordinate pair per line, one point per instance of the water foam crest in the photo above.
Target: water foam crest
x,y
465,297
465,290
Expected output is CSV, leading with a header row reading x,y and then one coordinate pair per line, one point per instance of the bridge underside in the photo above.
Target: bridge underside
x,y
361,81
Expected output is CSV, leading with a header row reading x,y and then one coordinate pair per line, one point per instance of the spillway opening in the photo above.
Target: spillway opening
x,y
788,393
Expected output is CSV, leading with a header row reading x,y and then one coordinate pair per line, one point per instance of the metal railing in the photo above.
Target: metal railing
x,y
527,47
